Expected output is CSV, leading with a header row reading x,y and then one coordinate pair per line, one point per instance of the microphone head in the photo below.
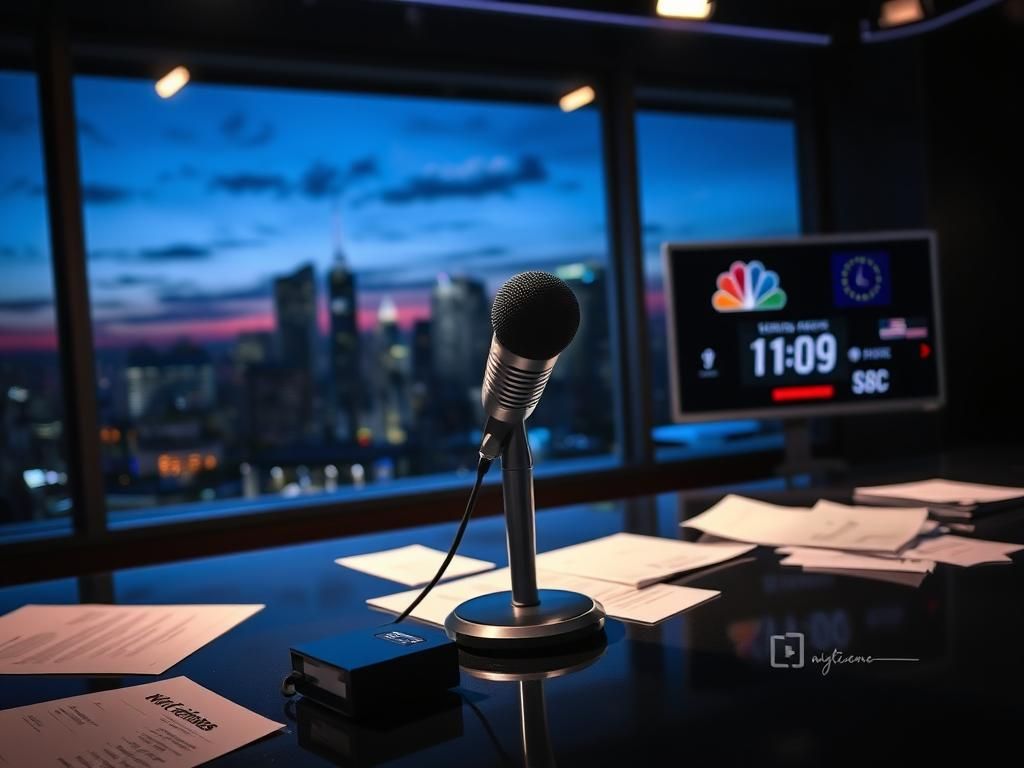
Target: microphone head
x,y
535,315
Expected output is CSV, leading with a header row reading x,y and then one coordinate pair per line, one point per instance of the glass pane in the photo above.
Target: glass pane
x,y
292,288
709,178
33,479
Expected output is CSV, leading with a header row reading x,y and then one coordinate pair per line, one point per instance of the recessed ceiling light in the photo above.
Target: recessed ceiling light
x,y
172,82
685,9
896,13
576,99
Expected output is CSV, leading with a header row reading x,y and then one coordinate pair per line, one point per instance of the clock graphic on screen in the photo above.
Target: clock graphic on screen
x,y
861,278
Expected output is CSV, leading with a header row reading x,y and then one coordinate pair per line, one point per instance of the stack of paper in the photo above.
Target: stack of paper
x,y
644,606
896,544
945,499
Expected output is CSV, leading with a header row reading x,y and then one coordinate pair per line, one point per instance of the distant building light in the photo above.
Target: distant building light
x,y
209,462
576,99
685,9
364,436
18,394
358,475
52,477
571,271
34,478
896,13
172,82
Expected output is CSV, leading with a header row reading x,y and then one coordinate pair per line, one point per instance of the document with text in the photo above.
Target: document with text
x,y
412,565
110,639
172,723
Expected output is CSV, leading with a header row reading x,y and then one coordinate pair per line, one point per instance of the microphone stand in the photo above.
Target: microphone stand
x,y
526,616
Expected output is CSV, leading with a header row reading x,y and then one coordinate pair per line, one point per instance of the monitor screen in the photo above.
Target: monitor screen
x,y
810,326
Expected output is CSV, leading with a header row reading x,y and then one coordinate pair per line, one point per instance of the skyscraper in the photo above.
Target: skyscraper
x,y
295,310
343,348
461,332
393,359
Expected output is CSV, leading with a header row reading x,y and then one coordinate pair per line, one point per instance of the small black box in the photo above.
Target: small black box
x,y
376,671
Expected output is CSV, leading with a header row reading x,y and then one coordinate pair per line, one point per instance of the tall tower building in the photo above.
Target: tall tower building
x,y
460,336
343,348
392,362
295,310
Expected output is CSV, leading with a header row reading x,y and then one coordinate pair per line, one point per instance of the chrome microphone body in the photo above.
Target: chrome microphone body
x,y
513,385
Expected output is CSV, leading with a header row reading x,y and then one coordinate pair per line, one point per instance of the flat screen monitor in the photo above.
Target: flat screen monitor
x,y
810,326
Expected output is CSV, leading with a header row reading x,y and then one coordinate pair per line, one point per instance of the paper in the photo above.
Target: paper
x,y
644,606
412,565
939,491
170,723
827,524
114,639
830,558
958,550
890,577
637,561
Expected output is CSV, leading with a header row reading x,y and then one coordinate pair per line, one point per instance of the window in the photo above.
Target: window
x,y
709,178
291,289
33,479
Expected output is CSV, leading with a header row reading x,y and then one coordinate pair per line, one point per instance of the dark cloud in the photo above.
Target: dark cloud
x,y
177,252
251,183
474,180
91,132
130,281
16,123
25,252
653,228
323,180
105,194
179,135
183,171
190,295
239,130
456,225
26,305
231,243
22,185
423,124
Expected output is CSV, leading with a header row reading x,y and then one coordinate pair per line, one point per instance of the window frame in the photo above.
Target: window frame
x,y
94,545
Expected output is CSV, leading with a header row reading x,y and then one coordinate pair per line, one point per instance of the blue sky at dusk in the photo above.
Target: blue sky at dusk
x,y
194,204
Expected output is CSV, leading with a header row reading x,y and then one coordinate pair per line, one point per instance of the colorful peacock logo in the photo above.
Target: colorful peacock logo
x,y
748,288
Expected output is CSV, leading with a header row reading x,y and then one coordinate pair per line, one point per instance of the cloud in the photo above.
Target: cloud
x,y
322,180
177,252
130,281
16,123
105,194
183,171
23,185
89,131
179,135
189,295
424,124
653,228
476,178
239,130
33,304
251,183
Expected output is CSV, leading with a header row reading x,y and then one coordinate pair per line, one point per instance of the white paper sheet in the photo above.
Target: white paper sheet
x,y
412,565
110,639
170,723
890,577
939,491
830,558
958,550
637,561
828,524
644,606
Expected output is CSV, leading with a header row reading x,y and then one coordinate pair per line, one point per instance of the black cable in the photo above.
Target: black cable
x,y
481,469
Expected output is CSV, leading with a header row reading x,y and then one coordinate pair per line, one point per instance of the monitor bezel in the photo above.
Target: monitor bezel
x,y
914,404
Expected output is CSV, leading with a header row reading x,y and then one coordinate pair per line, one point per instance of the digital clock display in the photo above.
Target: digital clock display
x,y
807,325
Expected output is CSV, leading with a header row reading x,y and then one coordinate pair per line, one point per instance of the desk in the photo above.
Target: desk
x,y
697,686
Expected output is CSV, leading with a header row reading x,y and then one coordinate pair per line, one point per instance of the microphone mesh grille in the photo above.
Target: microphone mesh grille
x,y
535,315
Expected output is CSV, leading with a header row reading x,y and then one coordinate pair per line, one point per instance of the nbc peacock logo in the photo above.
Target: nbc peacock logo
x,y
748,287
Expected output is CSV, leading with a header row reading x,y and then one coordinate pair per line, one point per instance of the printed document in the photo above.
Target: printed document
x,y
827,524
110,639
959,550
644,606
412,565
939,491
637,561
170,723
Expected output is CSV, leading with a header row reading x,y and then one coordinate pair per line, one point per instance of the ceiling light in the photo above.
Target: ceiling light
x,y
685,9
172,82
896,13
576,99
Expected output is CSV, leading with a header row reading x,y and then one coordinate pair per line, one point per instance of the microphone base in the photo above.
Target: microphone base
x,y
493,622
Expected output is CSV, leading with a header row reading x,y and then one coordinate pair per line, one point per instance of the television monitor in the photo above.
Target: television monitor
x,y
809,326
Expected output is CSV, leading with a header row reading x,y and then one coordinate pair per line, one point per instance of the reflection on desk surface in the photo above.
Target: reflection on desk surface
x,y
722,680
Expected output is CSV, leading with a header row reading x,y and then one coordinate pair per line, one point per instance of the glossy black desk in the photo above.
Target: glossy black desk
x,y
699,686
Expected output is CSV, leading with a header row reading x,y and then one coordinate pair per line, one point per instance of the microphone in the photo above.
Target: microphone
x,y
535,316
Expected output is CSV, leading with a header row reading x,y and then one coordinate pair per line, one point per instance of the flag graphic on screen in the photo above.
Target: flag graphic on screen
x,y
748,288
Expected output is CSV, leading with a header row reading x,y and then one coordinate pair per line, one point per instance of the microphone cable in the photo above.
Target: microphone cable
x,y
482,466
